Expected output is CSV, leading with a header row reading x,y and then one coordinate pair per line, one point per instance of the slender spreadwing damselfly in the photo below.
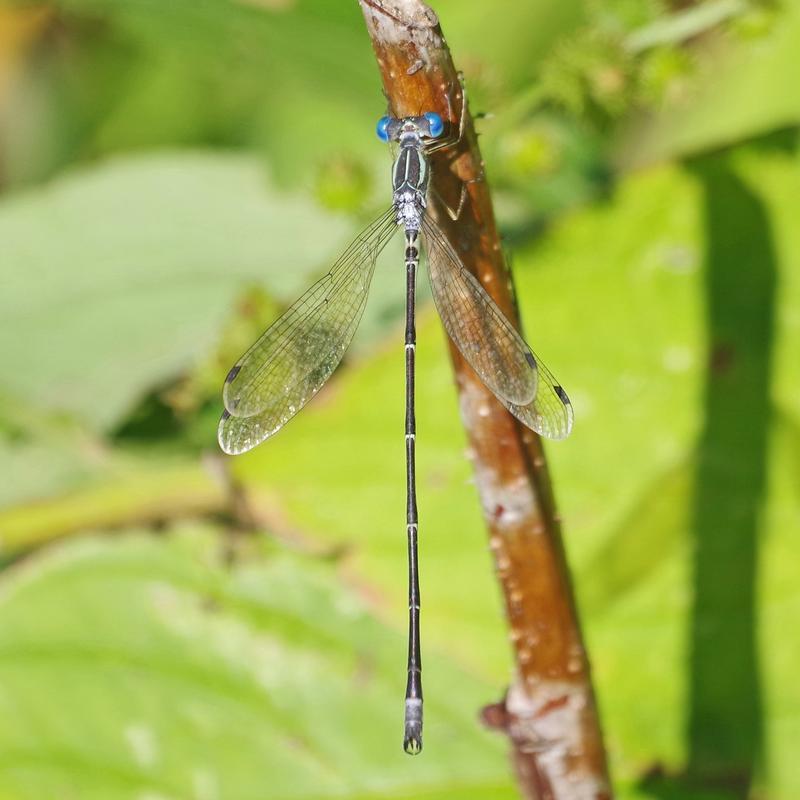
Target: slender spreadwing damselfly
x,y
291,361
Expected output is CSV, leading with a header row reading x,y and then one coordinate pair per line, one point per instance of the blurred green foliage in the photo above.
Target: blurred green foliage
x,y
176,625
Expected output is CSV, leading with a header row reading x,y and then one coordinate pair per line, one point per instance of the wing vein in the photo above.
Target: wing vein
x,y
491,345
294,357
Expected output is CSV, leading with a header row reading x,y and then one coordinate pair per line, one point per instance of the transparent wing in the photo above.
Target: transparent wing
x,y
291,361
550,412
491,344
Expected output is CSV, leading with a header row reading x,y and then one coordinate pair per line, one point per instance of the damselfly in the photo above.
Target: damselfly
x,y
291,361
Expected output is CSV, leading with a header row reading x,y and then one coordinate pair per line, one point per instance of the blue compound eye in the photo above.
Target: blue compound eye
x,y
382,128
435,124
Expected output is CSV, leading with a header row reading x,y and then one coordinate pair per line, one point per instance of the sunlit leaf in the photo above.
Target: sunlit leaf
x,y
615,299
117,279
738,92
147,667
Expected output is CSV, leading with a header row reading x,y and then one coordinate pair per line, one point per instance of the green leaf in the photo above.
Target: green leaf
x,y
674,326
739,92
617,300
216,71
626,302
145,667
118,278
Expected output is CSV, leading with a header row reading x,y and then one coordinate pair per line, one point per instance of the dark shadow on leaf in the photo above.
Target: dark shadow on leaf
x,y
725,715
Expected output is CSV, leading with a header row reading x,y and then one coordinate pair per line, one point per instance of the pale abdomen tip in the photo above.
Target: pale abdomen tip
x,y
412,745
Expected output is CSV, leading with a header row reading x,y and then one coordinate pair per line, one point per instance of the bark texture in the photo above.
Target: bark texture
x,y
549,712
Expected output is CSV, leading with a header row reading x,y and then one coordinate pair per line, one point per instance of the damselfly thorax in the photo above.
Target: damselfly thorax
x,y
292,360
410,174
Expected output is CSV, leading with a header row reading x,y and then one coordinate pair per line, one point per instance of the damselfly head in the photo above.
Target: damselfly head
x,y
427,126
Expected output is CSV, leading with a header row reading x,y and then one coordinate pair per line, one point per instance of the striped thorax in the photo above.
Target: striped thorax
x,y
410,173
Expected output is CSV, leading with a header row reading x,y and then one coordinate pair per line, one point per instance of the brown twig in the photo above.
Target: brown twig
x,y
549,712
